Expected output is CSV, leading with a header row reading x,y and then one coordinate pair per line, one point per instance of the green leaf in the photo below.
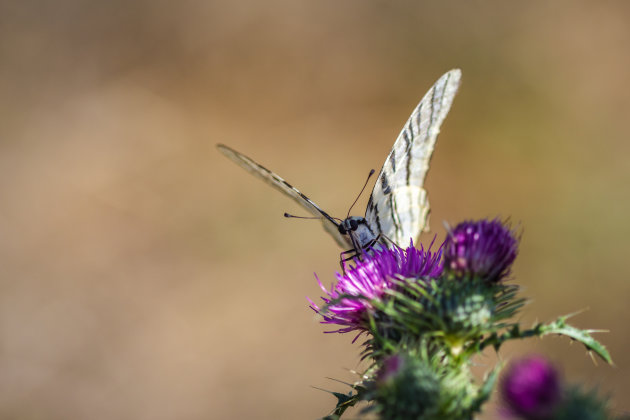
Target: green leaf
x,y
558,326
344,401
583,336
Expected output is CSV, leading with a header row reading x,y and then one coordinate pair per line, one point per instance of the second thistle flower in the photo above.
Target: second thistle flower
x,y
484,249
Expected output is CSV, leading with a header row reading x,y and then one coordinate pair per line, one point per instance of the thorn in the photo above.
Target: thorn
x,y
340,381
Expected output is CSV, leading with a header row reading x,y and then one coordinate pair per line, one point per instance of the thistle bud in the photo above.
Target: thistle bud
x,y
484,249
531,389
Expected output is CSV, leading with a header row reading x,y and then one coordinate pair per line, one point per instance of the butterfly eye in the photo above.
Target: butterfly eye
x,y
342,230
353,224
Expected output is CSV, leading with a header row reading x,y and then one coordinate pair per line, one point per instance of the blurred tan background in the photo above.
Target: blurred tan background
x,y
145,276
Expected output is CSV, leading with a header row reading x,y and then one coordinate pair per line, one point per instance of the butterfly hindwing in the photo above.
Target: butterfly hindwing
x,y
398,207
280,184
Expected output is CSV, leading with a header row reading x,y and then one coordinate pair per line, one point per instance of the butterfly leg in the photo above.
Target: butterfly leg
x,y
356,251
353,254
356,254
370,246
386,240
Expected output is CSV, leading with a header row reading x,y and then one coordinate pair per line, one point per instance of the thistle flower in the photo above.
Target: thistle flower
x,y
481,248
531,389
348,303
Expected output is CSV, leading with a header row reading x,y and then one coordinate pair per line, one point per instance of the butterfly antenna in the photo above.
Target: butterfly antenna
x,y
362,189
289,216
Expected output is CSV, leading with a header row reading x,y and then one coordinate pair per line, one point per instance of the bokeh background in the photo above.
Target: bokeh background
x,y
145,276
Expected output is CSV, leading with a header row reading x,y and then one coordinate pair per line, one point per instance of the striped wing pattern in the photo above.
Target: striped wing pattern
x,y
284,187
398,207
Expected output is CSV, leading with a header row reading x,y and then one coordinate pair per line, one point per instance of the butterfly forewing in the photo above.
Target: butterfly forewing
x,y
280,184
398,207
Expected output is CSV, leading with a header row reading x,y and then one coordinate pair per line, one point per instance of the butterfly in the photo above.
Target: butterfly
x,y
398,208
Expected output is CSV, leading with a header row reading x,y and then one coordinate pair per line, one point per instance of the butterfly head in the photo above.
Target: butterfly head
x,y
358,228
351,224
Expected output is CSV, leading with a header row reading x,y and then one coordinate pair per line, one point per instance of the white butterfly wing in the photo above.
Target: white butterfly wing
x,y
284,187
399,207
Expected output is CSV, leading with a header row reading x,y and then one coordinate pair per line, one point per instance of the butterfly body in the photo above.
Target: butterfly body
x,y
398,208
358,231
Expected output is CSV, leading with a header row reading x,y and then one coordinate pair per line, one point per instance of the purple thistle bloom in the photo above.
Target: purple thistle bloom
x,y
349,301
483,248
531,388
